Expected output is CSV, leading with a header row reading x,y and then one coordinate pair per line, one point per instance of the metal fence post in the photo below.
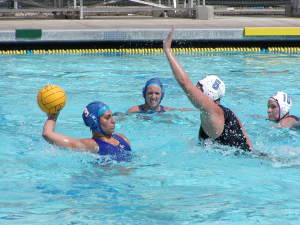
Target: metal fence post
x,y
81,10
15,4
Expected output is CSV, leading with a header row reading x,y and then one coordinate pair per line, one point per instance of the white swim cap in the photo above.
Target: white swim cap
x,y
284,102
213,86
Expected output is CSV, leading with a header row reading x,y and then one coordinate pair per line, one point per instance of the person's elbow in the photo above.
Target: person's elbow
x,y
47,136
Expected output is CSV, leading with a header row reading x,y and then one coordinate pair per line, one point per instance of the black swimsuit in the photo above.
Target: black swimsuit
x,y
297,125
232,134
295,117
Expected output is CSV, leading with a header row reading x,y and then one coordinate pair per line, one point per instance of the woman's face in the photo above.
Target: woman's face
x,y
107,122
273,110
153,96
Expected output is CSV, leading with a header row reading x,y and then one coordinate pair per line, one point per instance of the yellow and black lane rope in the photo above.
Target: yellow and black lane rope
x,y
131,51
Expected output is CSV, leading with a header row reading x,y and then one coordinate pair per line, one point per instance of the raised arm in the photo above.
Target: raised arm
x,y
54,138
212,120
195,95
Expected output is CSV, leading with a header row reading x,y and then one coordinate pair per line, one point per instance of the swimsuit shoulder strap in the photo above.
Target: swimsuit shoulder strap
x,y
294,117
141,109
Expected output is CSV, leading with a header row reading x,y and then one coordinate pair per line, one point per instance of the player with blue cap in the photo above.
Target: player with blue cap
x,y
98,117
157,82
153,93
91,115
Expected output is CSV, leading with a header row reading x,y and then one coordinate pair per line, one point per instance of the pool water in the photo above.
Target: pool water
x,y
172,179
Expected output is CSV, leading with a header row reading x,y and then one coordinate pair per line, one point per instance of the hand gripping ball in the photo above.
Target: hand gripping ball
x,y
51,99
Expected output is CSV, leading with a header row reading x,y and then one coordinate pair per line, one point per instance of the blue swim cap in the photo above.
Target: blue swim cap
x,y
91,115
157,82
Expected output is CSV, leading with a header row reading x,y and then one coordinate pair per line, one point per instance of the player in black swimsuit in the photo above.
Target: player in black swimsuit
x,y
217,122
232,134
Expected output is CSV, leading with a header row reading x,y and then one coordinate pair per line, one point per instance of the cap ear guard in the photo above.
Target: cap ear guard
x,y
154,81
90,119
91,115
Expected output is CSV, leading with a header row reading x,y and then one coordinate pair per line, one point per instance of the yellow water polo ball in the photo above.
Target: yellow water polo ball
x,y
51,99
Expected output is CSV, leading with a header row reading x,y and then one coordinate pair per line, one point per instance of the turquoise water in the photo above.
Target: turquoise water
x,y
171,179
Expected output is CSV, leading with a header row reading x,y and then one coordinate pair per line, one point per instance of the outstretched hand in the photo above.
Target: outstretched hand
x,y
168,41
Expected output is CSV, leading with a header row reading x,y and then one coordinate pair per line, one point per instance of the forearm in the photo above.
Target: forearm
x,y
197,98
49,128
184,81
52,137
178,71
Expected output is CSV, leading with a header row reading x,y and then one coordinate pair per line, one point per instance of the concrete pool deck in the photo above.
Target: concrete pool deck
x,y
145,29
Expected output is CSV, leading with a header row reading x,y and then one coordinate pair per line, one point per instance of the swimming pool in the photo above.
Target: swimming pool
x,y
171,179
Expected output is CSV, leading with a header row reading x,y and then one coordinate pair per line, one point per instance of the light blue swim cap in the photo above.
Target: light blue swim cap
x,y
154,81
91,115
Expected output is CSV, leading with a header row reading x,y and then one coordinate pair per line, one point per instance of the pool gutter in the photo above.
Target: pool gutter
x,y
20,38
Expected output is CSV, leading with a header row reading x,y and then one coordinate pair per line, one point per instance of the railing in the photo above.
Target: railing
x,y
18,4
85,8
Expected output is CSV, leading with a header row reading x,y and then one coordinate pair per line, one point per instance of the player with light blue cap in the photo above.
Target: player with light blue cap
x,y
154,81
153,93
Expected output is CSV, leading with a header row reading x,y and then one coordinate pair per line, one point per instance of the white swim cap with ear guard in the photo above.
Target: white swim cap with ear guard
x,y
284,102
213,86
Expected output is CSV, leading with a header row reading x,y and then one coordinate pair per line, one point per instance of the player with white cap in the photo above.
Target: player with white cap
x,y
279,105
217,122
